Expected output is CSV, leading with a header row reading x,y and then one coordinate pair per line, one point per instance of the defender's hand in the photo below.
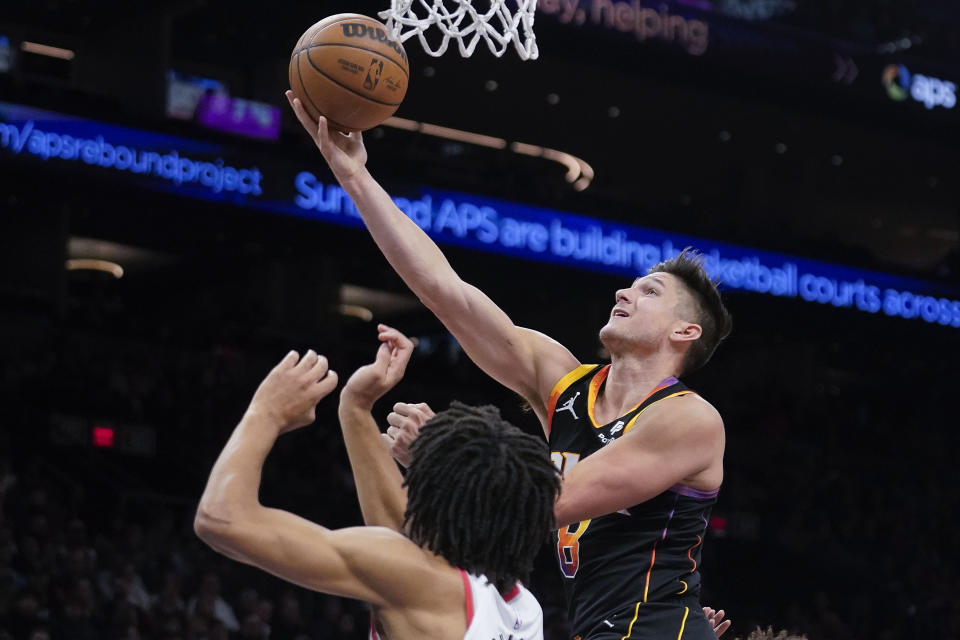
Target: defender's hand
x,y
290,392
369,383
345,153
715,618
405,422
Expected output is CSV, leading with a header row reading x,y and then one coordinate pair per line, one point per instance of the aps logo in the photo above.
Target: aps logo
x,y
931,92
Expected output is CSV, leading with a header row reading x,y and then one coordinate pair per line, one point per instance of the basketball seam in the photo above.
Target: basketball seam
x,y
312,35
353,46
307,93
340,84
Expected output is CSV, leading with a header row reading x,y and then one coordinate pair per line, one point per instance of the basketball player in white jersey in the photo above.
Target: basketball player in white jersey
x,y
472,521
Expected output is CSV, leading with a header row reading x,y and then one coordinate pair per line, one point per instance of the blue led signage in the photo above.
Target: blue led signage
x,y
199,170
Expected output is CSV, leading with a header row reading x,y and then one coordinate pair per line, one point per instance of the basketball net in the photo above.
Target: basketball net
x,y
465,24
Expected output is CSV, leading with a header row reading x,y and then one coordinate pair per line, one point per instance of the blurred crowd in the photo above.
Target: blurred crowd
x,y
834,520
70,570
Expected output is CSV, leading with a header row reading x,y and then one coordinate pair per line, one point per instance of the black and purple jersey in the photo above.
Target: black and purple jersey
x,y
633,572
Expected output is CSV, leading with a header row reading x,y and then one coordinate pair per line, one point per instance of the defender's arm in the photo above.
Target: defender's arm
x,y
373,564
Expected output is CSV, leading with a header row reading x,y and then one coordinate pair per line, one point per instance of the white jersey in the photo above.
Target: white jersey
x,y
491,616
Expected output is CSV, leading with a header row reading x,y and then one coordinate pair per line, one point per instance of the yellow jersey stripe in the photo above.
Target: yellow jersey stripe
x,y
636,612
686,611
633,420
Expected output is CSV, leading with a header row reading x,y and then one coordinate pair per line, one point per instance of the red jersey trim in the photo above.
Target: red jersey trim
x,y
468,593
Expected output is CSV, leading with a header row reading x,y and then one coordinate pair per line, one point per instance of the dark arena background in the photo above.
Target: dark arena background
x,y
169,232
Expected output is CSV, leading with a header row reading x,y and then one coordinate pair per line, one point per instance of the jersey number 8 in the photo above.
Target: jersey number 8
x,y
568,538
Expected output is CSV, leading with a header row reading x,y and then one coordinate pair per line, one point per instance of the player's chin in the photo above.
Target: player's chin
x,y
609,334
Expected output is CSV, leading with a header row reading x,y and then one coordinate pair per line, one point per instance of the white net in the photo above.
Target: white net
x,y
460,20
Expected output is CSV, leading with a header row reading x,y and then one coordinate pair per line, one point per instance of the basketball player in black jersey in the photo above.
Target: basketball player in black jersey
x,y
641,455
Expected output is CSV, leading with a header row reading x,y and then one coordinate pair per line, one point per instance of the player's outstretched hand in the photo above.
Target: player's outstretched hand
x,y
288,396
405,421
370,382
715,618
345,153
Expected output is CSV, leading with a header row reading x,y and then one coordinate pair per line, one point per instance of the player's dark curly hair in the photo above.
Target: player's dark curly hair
x,y
480,493
709,311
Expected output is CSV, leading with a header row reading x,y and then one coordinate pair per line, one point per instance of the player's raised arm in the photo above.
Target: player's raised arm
x,y
525,361
377,565
379,483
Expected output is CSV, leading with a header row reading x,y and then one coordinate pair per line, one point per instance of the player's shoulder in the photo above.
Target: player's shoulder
x,y
691,410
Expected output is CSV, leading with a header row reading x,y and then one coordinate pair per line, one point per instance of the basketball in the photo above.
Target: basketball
x,y
348,68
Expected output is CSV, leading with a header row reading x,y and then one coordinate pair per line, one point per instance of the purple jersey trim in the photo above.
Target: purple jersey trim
x,y
690,492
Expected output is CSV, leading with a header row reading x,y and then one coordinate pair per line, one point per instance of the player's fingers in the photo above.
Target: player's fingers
x,y
394,334
401,340
400,351
328,384
307,361
393,432
383,355
400,453
323,133
288,361
336,138
319,369
422,411
408,433
408,419
403,408
387,440
404,424
397,420
718,616
305,120
720,630
386,334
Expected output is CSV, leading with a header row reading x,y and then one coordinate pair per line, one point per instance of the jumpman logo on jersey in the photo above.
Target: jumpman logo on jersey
x,y
568,406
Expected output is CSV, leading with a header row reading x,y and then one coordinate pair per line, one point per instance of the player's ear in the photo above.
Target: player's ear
x,y
686,332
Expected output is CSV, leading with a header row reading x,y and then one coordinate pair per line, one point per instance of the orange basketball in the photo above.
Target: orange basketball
x,y
348,68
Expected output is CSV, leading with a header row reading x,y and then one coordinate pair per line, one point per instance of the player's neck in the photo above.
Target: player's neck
x,y
630,380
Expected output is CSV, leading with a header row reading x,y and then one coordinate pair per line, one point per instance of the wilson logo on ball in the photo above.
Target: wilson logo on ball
x,y
357,30
373,74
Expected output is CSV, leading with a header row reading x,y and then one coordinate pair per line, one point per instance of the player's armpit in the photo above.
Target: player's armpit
x,y
675,441
374,564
